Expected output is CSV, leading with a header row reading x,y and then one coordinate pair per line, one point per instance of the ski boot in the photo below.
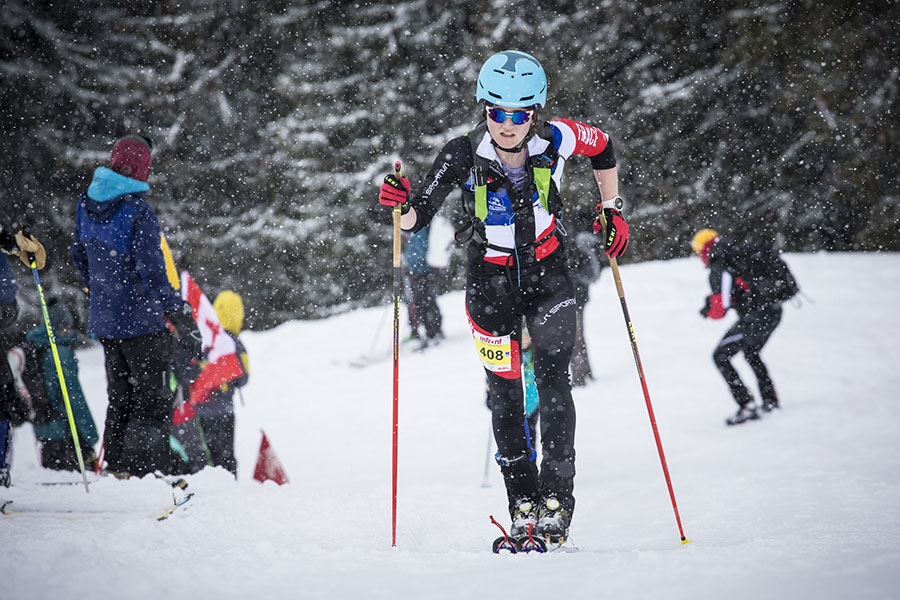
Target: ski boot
x,y
522,514
770,404
747,412
553,521
524,527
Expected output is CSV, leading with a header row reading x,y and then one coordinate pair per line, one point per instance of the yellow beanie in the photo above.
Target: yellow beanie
x,y
701,238
230,310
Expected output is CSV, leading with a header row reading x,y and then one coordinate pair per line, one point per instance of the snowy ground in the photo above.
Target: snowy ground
x,y
803,504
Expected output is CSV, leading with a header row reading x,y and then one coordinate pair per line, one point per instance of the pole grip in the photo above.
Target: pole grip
x,y
613,262
397,214
396,253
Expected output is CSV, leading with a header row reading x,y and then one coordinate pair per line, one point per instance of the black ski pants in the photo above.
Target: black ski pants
x,y
136,436
496,304
216,420
748,335
423,309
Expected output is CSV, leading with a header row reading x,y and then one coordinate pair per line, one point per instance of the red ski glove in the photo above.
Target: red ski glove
x,y
616,231
714,308
395,190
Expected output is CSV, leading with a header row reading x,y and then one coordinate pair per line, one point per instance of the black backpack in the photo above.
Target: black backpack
x,y
784,286
770,277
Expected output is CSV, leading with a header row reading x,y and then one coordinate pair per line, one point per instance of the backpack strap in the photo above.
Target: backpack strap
x,y
481,209
541,171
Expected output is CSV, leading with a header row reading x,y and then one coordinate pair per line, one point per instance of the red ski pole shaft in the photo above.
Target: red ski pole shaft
x,y
620,290
398,285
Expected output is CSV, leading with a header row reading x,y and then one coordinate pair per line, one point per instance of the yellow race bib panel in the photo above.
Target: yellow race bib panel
x,y
499,354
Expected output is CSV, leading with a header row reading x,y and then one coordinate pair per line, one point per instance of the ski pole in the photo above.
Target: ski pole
x,y
487,458
98,464
377,337
398,284
614,265
59,371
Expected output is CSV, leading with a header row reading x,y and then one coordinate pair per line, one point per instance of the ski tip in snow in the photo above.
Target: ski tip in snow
x,y
517,545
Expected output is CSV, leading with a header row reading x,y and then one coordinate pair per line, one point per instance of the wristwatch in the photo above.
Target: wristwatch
x,y
616,203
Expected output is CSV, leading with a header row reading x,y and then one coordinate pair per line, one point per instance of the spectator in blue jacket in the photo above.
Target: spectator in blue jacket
x,y
9,310
423,284
116,248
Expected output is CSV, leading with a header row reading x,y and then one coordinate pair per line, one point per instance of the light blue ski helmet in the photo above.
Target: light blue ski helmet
x,y
512,79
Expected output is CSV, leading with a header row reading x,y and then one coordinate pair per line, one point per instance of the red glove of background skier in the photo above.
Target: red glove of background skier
x,y
714,308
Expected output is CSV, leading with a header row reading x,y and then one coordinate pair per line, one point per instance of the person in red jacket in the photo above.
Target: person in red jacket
x,y
509,169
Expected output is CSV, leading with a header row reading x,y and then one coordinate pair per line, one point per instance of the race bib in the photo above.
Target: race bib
x,y
499,354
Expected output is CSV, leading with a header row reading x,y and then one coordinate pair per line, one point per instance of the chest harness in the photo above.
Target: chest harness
x,y
488,176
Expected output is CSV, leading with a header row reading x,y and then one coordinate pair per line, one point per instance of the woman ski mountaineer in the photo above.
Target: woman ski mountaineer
x,y
509,169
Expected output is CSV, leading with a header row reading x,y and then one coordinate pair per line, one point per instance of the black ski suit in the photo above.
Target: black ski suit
x,y
517,268
757,282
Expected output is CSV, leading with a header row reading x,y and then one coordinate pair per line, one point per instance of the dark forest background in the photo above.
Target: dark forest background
x,y
274,123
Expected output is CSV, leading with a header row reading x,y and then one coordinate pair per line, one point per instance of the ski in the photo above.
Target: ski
x,y
528,543
11,508
407,346
178,482
175,506
55,483
367,360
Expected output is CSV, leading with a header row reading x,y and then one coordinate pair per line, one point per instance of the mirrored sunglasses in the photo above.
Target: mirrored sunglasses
x,y
519,117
